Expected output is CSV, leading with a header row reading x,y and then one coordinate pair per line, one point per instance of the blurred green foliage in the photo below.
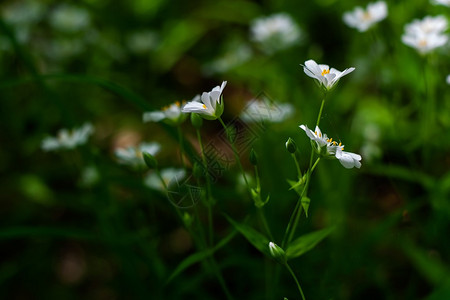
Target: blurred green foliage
x,y
63,237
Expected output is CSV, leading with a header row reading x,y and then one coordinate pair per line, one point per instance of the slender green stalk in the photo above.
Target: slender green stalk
x,y
296,281
321,109
208,190
180,141
236,155
297,165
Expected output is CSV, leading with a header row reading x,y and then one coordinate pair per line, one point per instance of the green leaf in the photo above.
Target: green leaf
x,y
306,242
199,256
255,238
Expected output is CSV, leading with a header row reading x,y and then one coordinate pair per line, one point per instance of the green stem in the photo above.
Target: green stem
x,y
236,155
209,201
264,221
180,141
321,109
296,281
297,165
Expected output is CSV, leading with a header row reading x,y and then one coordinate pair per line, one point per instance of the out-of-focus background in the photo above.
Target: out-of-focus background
x,y
78,224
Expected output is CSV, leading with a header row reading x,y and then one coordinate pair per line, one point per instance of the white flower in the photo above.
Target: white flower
x,y
427,34
275,32
331,149
441,2
325,76
265,110
23,13
209,106
363,19
68,139
448,79
168,175
133,156
142,42
69,18
172,114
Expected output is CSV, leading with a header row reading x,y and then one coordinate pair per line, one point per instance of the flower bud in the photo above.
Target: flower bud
x,y
291,146
150,160
196,121
253,157
277,253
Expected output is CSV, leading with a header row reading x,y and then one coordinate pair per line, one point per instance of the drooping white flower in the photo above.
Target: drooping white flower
x,y
325,76
427,34
363,19
171,114
70,18
264,110
441,2
168,175
275,32
209,105
328,148
133,156
68,139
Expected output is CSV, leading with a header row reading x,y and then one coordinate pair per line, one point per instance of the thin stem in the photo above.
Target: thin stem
x,y
297,165
208,191
236,155
264,221
180,141
296,281
321,109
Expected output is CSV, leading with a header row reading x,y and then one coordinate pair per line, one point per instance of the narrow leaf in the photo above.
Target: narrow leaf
x,y
255,238
306,242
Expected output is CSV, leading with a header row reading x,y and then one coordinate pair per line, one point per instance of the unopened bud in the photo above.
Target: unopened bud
x,y
291,146
150,160
196,121
277,253
253,157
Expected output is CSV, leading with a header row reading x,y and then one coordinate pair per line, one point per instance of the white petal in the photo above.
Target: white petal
x,y
153,116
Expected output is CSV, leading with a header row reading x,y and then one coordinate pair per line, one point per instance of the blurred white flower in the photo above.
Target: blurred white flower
x,y
70,18
363,19
427,34
68,139
232,58
275,32
325,76
20,13
142,42
169,175
264,110
448,79
209,106
328,148
133,156
172,114
441,2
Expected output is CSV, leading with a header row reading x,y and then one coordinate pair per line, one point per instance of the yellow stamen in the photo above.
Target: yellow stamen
x,y
330,140
340,144
204,106
422,43
325,72
178,103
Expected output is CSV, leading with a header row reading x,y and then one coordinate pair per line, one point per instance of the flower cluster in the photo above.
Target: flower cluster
x,y
68,139
427,34
362,19
328,148
325,76
275,32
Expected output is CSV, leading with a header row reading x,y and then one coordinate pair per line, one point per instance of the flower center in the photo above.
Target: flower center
x,y
325,72
204,106
366,16
422,43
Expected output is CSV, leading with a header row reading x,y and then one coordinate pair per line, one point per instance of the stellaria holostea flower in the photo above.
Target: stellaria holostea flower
x,y
68,139
441,2
363,19
427,34
325,76
171,114
133,156
261,110
275,32
209,105
169,175
328,148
